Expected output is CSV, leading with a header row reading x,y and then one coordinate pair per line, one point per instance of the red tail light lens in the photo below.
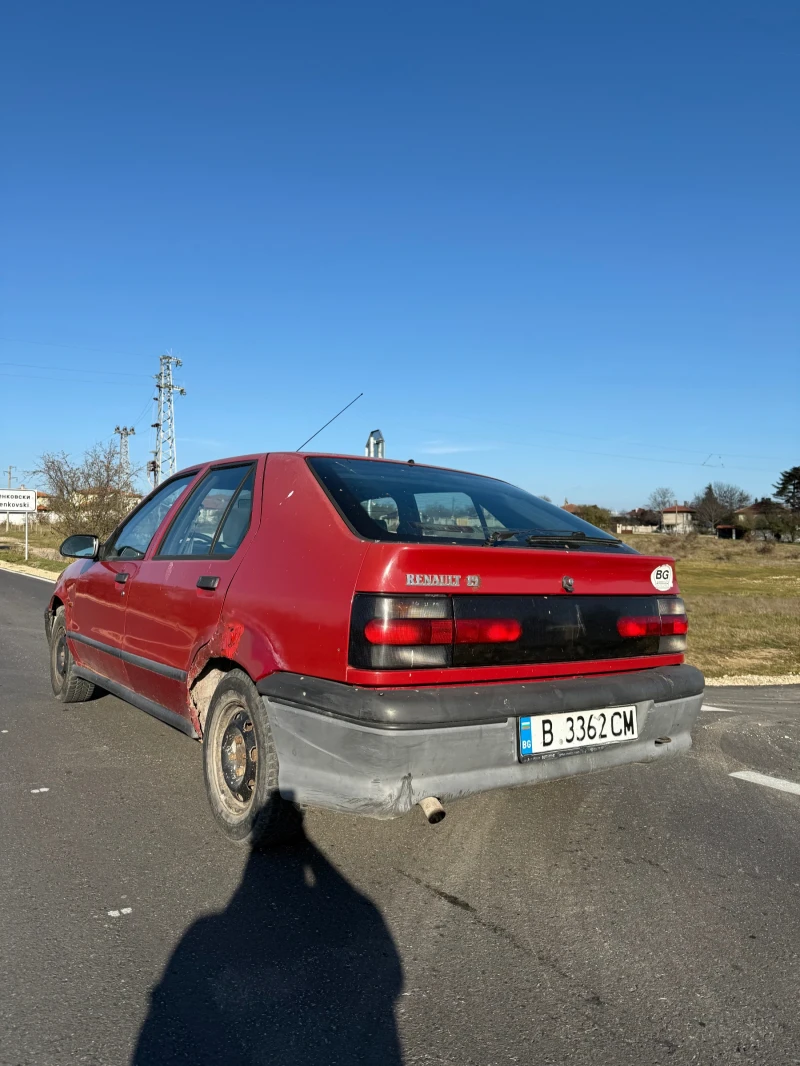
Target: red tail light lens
x,y
647,626
674,626
409,631
487,630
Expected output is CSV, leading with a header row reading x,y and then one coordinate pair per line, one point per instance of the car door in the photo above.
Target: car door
x,y
175,602
96,621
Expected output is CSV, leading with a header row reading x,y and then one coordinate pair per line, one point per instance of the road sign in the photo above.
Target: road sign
x,y
17,501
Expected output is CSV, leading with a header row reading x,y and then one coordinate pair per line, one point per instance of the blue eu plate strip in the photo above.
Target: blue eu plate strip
x,y
525,738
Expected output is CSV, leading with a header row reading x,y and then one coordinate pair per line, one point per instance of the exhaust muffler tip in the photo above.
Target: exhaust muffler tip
x,y
432,809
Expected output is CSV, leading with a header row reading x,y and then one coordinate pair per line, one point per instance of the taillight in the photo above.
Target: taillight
x,y
392,632
412,632
487,630
670,625
409,631
647,626
674,624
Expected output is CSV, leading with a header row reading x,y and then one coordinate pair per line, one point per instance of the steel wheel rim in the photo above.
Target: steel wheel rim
x,y
60,656
234,752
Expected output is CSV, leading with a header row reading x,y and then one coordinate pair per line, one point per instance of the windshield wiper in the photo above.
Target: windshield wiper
x,y
546,536
499,535
570,537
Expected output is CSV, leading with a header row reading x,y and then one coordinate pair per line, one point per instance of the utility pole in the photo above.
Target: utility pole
x,y
124,458
165,451
9,485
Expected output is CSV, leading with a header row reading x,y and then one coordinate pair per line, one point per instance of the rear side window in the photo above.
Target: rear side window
x,y
237,521
215,518
417,504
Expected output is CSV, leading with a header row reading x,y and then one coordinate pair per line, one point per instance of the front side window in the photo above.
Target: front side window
x,y
134,537
418,504
215,518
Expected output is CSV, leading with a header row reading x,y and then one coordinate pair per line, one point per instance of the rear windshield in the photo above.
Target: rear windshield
x,y
418,504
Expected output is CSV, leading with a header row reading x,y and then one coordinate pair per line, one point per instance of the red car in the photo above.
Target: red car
x,y
365,635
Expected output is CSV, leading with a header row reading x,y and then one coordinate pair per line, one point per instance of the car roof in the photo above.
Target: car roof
x,y
230,460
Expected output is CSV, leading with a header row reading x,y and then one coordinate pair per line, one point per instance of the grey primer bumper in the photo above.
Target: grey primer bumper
x,y
372,752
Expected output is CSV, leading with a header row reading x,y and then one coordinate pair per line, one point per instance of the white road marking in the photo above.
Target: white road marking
x,y
122,910
126,910
721,710
769,782
113,914
35,790
3,730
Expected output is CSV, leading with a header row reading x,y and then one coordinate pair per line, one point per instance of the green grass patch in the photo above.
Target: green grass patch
x,y
54,566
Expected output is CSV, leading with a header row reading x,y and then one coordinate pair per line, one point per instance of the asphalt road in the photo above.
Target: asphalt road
x,y
644,916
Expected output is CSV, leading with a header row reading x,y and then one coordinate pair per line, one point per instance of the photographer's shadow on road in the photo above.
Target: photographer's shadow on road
x,y
298,970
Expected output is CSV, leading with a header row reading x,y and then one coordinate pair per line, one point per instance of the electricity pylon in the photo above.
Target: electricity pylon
x,y
165,452
124,458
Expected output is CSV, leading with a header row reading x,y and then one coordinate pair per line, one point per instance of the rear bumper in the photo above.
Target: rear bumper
x,y
378,754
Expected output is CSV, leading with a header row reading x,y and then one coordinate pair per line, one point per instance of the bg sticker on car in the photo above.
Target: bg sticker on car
x,y
662,578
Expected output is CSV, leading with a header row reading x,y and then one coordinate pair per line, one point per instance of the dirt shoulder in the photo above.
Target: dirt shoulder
x,y
23,568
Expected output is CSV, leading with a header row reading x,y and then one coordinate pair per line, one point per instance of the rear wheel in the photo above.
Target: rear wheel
x,y
241,767
66,686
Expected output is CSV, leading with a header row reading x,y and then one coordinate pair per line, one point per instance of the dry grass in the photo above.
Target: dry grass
x,y
743,602
695,548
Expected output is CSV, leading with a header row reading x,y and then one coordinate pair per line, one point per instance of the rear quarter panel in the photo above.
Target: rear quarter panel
x,y
288,607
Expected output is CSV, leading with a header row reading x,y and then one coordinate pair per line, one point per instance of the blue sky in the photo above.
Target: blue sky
x,y
555,243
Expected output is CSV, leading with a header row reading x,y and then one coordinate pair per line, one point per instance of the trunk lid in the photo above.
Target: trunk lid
x,y
464,613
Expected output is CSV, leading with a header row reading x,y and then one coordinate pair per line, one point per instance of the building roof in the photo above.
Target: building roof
x,y
759,507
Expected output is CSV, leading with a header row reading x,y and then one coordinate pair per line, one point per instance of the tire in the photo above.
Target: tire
x,y
240,765
66,686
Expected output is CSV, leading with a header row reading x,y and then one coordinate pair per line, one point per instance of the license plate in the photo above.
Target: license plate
x,y
546,734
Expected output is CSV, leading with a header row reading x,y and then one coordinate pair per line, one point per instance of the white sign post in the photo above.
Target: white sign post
x,y
19,501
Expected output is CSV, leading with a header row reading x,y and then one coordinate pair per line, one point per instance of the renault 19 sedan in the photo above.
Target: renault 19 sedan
x,y
365,635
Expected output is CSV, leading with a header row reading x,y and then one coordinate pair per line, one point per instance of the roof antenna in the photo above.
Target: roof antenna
x,y
305,442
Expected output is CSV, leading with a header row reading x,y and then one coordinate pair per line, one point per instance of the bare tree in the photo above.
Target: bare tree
x,y
660,500
731,496
718,503
91,495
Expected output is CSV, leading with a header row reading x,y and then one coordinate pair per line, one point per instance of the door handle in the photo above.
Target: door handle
x,y
122,577
207,582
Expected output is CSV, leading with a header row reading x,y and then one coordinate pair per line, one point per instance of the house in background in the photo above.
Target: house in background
x,y
746,516
639,521
679,519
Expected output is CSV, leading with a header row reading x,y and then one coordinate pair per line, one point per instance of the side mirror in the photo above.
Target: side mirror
x,y
81,546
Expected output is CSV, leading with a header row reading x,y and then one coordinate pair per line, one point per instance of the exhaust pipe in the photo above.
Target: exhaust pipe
x,y
432,809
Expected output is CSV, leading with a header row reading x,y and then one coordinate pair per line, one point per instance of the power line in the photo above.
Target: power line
x,y
72,347
61,370
631,443
66,379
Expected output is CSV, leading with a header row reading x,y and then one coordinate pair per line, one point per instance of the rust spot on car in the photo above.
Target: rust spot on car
x,y
231,636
